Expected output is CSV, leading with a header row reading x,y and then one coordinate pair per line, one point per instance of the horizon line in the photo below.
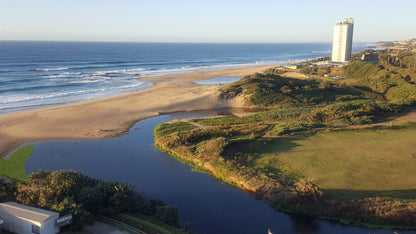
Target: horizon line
x,y
176,42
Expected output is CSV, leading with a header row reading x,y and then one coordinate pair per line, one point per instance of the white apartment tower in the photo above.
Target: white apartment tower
x,y
342,43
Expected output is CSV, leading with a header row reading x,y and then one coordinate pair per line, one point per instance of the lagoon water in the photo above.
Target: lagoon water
x,y
219,80
36,74
211,206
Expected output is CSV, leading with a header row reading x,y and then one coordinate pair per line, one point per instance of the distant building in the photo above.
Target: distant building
x,y
370,57
19,218
293,66
397,50
342,41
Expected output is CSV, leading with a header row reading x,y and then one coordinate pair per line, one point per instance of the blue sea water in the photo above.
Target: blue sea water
x,y
37,74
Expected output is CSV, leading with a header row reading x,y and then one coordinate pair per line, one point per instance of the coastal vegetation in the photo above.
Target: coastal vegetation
x,y
274,91
302,152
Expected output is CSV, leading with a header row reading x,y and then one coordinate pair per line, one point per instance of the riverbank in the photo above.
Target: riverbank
x,y
110,117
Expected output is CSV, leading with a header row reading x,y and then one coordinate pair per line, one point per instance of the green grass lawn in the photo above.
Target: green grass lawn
x,y
364,161
13,167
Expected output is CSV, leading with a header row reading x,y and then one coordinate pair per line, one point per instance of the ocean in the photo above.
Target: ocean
x,y
35,74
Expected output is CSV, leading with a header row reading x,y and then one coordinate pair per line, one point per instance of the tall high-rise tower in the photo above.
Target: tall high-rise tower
x,y
342,43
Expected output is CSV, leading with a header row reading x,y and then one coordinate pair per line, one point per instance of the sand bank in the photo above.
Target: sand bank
x,y
109,117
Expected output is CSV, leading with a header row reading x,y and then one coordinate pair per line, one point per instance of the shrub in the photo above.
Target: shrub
x,y
166,129
212,147
351,112
361,70
308,70
307,188
229,120
287,128
167,214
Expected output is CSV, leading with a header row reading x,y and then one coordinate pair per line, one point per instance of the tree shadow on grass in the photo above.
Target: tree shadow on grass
x,y
281,144
260,146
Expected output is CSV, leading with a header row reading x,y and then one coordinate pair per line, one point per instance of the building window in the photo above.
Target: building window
x,y
35,229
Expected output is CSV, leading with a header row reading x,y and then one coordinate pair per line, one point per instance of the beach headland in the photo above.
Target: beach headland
x,y
112,116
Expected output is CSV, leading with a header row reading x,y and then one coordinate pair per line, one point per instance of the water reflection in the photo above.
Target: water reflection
x,y
219,80
304,224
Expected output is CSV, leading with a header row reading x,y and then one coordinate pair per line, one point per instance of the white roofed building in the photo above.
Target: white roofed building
x,y
19,218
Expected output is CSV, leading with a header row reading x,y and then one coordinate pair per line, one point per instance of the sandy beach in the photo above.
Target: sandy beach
x,y
109,117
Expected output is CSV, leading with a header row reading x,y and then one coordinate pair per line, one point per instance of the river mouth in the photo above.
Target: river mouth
x,y
219,80
210,205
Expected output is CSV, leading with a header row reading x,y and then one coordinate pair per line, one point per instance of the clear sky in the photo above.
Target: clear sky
x,y
204,21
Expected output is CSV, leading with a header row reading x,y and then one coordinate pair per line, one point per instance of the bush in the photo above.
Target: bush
x,y
229,120
351,112
361,70
280,114
212,147
308,70
168,215
287,128
307,188
401,91
166,129
7,190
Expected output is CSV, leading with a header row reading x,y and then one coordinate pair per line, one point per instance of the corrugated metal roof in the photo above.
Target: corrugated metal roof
x,y
34,215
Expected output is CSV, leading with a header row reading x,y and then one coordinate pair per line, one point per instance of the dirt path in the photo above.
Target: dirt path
x,y
196,125
410,116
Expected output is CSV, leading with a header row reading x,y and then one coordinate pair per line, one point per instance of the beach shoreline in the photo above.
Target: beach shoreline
x,y
112,116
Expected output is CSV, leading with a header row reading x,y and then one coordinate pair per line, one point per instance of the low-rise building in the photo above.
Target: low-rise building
x,y
293,66
19,218
370,58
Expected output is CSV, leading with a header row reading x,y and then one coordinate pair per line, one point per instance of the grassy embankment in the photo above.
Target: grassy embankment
x,y
295,155
13,167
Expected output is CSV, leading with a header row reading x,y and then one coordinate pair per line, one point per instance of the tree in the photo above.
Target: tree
x,y
323,70
306,188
